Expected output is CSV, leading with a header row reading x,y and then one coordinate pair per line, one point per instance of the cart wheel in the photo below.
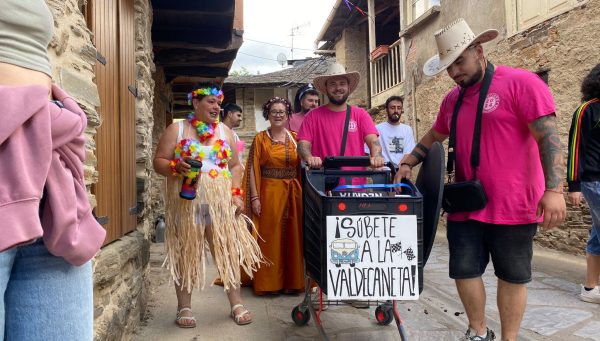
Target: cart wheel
x,y
300,317
352,264
337,265
384,315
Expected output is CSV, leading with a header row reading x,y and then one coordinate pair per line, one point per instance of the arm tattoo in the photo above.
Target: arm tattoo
x,y
304,149
376,148
544,131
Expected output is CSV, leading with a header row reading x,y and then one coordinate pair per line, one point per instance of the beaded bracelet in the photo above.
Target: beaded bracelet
x,y
553,190
236,191
172,165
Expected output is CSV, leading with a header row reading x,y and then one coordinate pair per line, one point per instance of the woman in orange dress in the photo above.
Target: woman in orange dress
x,y
274,196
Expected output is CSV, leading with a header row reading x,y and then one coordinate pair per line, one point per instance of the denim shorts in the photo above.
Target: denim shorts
x,y
591,192
471,243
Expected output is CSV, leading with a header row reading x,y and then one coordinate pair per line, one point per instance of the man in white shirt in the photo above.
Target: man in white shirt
x,y
396,138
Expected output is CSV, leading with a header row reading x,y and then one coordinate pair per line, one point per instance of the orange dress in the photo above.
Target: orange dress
x,y
276,169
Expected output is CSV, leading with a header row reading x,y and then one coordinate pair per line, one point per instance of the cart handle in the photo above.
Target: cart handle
x,y
373,186
346,161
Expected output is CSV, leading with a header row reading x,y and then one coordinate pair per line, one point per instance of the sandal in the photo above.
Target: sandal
x,y
238,318
185,321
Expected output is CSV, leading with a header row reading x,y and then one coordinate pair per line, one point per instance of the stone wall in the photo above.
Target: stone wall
x,y
119,268
146,194
162,98
73,56
565,46
351,51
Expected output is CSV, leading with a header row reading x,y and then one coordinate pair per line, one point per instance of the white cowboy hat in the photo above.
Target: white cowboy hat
x,y
336,70
452,41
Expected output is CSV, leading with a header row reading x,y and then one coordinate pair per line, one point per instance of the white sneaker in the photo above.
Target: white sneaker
x,y
592,296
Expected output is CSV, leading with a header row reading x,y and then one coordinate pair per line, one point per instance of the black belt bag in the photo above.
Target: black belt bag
x,y
467,196
464,196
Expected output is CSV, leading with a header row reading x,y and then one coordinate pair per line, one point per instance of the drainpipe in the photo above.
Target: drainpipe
x,y
414,103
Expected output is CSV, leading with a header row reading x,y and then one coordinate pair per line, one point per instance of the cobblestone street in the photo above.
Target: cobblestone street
x,y
554,311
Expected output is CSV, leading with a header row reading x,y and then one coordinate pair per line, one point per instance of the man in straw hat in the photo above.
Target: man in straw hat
x,y
322,130
520,168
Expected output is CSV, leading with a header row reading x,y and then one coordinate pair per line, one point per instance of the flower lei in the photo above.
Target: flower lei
x,y
204,130
220,154
205,92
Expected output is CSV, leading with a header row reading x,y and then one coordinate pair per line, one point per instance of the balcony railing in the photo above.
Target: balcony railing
x,y
386,71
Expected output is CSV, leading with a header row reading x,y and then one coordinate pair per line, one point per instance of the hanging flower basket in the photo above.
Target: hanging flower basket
x,y
379,52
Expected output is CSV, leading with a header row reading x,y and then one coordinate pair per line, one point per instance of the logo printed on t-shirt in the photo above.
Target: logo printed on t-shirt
x,y
352,126
492,101
396,145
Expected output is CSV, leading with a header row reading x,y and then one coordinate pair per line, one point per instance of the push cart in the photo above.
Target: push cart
x,y
363,237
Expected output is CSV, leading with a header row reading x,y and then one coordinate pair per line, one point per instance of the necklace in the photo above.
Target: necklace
x,y
274,138
205,131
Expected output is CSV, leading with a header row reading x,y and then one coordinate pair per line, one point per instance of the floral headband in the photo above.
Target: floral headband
x,y
205,92
267,106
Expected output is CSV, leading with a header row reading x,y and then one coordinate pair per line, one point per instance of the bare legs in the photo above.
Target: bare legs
x,y
593,270
184,299
472,296
511,298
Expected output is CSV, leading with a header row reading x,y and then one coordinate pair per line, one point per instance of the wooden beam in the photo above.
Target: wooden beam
x,y
197,71
170,36
183,57
194,5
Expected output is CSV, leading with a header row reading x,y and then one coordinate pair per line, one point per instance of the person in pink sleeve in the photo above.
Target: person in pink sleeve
x,y
307,98
321,131
520,169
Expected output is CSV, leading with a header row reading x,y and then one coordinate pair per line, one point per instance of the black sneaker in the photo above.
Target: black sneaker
x,y
471,335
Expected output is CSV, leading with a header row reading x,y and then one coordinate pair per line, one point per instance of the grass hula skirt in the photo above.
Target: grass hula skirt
x,y
185,238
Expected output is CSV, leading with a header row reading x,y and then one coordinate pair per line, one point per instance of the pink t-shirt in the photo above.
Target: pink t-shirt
x,y
323,128
295,121
510,168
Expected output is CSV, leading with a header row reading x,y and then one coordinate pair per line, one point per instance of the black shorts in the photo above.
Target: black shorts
x,y
472,242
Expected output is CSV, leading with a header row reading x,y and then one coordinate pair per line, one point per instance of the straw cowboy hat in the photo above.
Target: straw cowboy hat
x,y
451,42
336,70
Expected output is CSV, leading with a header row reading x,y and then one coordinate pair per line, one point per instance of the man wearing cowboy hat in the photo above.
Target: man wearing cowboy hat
x,y
520,169
307,98
322,130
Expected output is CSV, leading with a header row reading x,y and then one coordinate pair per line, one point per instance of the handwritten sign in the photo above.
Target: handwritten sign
x,y
372,257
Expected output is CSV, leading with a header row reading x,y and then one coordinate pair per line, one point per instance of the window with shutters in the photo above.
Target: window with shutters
x,y
523,14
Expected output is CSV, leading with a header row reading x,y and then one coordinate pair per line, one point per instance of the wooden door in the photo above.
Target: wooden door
x,y
113,25
127,93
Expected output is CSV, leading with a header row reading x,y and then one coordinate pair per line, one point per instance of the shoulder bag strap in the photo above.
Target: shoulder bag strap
x,y
345,135
485,86
487,80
